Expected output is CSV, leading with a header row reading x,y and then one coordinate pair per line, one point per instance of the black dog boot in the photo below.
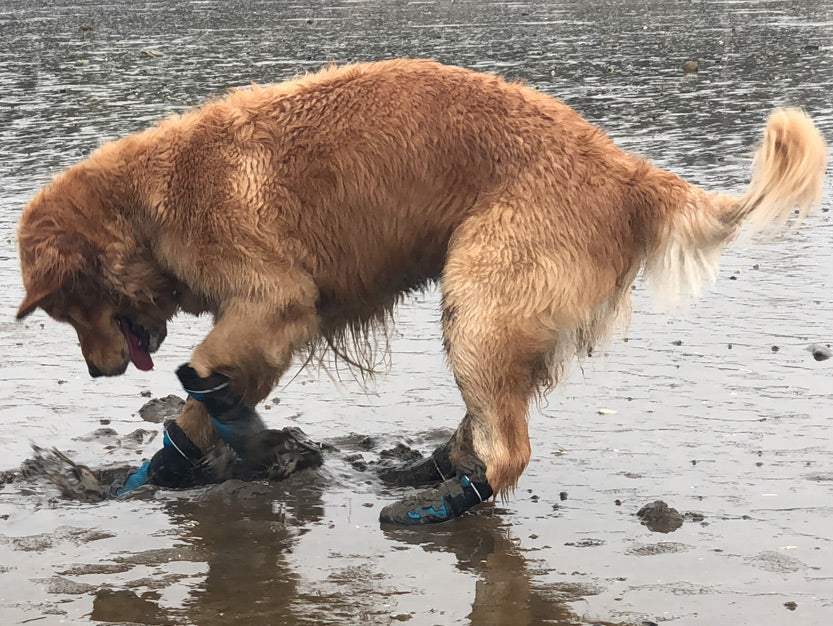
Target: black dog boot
x,y
435,469
450,499
177,464
235,421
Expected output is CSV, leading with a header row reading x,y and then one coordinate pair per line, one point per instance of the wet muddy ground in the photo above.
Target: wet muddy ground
x,y
719,411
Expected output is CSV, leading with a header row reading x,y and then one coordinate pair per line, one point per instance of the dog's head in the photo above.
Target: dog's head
x,y
83,266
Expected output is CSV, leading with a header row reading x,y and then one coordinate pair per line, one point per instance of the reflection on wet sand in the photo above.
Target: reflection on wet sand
x,y
246,531
504,591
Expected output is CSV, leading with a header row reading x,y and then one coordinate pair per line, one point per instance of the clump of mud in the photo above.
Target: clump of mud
x,y
272,455
73,480
659,517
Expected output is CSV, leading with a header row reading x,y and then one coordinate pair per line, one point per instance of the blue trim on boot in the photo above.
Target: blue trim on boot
x,y
136,480
226,431
423,512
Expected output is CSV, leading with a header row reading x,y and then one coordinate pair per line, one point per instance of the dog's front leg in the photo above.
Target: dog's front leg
x,y
179,462
195,422
243,357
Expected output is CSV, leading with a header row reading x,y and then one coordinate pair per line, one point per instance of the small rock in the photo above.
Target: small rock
x,y
563,495
691,67
152,53
677,342
792,606
819,352
659,517
775,348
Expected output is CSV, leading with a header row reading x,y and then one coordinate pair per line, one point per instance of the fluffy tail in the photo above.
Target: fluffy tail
x,y
788,172
788,175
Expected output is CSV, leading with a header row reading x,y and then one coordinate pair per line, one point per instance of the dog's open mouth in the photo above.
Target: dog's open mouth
x,y
138,341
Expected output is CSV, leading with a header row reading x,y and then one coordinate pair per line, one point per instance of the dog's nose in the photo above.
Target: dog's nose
x,y
94,371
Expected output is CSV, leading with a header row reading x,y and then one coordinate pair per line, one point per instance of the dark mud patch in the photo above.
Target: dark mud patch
x,y
366,453
74,481
659,517
663,547
45,541
65,586
125,605
158,410
401,453
273,455
776,562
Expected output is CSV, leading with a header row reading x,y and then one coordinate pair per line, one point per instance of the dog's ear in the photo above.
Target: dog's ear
x,y
34,298
50,265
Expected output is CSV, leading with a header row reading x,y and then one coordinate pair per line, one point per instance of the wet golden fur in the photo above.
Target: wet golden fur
x,y
298,214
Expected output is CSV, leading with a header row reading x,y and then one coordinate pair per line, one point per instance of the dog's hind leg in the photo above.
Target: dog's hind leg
x,y
497,347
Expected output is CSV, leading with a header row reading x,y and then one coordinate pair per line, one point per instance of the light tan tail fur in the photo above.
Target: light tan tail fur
x,y
788,175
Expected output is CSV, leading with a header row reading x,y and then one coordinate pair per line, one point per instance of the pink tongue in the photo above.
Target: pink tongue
x,y
138,355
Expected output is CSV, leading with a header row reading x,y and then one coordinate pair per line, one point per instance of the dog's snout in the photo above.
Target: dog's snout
x,y
94,371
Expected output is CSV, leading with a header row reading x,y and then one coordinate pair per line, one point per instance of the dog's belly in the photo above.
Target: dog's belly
x,y
362,286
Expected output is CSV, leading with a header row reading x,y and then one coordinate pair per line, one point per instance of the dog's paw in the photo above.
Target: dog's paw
x,y
450,499
198,387
235,421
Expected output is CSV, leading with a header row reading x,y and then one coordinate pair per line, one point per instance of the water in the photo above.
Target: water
x,y
721,424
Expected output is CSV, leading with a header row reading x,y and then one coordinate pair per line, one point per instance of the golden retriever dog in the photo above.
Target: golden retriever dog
x,y
299,214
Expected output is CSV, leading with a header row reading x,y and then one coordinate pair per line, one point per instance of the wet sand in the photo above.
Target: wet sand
x,y
718,410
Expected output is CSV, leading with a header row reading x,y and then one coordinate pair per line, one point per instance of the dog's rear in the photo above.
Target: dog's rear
x,y
788,174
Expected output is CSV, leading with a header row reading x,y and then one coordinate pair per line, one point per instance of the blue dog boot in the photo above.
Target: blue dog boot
x,y
235,421
448,500
177,464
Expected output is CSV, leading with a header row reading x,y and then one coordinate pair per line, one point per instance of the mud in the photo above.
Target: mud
x,y
694,408
273,455
659,517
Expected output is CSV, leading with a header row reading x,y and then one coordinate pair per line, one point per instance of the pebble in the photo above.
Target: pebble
x,y
819,352
691,67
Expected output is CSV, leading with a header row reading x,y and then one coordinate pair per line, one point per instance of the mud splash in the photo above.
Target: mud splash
x,y
274,455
